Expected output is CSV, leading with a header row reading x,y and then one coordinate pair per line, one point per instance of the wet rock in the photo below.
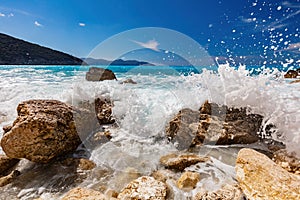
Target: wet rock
x,y
6,128
99,74
122,178
181,161
291,74
188,181
130,81
7,164
103,108
80,163
45,129
295,81
164,174
227,192
9,178
260,178
144,188
213,124
287,161
84,193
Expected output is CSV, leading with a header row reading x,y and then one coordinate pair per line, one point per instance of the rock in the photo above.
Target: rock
x,y
99,74
260,178
188,180
7,164
81,163
180,162
227,192
9,178
103,108
45,129
291,74
84,193
144,188
295,81
130,81
287,161
213,124
6,128
164,174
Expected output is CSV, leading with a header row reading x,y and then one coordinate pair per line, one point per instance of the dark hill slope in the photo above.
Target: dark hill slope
x,y
14,51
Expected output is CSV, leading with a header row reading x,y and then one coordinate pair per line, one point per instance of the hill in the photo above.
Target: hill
x,y
14,51
92,61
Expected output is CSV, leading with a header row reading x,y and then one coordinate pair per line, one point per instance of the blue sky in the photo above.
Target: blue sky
x,y
229,28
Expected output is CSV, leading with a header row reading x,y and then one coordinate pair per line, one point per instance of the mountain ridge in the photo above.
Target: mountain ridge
x,y
14,51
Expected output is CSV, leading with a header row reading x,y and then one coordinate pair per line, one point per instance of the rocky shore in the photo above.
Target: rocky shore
x,y
47,146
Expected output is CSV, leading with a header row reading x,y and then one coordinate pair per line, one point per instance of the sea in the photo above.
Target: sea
x,y
143,110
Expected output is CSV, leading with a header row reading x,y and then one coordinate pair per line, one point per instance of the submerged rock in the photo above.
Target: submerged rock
x,y
45,129
227,192
144,188
213,124
287,161
188,180
81,163
9,178
130,81
295,81
260,178
181,161
7,164
99,74
84,193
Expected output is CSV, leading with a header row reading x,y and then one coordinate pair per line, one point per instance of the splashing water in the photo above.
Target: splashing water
x,y
143,110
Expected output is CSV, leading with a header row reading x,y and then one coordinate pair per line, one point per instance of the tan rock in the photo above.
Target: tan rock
x,y
188,180
227,192
44,129
181,161
295,81
79,163
164,174
9,178
144,188
7,164
260,178
84,193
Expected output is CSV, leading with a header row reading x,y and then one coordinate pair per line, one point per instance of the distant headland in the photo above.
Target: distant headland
x,y
14,51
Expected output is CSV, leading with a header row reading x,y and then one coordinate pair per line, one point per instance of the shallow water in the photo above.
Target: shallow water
x,y
142,111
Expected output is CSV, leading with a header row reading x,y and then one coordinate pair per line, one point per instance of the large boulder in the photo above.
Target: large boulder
x,y
99,74
45,129
213,124
260,178
287,161
144,188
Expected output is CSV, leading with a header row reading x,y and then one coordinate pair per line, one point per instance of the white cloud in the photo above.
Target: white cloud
x,y
2,15
151,44
37,23
81,24
10,15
